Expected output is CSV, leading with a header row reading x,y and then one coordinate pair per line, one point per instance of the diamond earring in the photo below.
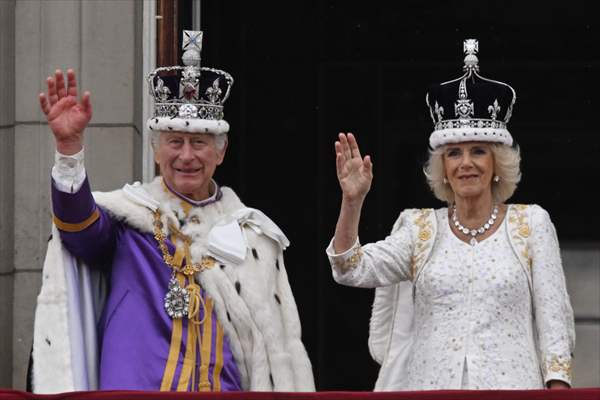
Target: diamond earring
x,y
445,181
496,179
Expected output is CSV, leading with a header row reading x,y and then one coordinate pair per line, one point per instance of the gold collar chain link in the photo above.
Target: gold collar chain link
x,y
189,268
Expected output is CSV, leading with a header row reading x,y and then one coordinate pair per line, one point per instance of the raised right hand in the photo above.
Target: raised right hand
x,y
354,173
66,117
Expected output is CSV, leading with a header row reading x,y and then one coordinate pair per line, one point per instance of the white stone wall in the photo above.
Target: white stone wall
x,y
581,262
101,40
7,124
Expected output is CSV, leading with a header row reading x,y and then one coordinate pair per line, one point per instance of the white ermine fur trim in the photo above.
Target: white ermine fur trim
x,y
460,135
52,346
191,125
253,300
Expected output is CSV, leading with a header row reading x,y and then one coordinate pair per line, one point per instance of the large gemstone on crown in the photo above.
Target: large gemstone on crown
x,y
188,111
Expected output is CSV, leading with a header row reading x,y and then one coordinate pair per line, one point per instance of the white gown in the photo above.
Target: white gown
x,y
475,322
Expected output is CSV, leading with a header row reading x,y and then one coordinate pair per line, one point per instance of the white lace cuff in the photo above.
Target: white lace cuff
x,y
557,368
347,260
68,172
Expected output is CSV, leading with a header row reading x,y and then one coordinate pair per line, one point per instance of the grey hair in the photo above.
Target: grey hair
x,y
220,140
507,162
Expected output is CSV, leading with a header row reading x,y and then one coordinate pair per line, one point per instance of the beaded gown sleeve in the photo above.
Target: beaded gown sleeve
x,y
382,263
552,307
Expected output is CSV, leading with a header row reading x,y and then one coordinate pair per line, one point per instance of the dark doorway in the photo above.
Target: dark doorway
x,y
306,70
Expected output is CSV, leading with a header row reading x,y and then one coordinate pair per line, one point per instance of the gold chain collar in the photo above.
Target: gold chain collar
x,y
189,268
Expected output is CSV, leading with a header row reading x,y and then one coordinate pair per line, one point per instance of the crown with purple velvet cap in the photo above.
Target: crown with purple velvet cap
x,y
189,98
470,108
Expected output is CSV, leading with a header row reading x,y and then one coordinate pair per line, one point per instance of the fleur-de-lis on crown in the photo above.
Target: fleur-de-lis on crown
x,y
162,91
494,109
213,93
439,111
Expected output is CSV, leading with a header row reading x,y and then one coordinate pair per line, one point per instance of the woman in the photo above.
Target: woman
x,y
486,306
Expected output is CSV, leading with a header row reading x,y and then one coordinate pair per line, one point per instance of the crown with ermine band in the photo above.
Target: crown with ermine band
x,y
189,98
470,108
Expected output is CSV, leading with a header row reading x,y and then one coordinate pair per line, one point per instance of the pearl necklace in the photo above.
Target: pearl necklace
x,y
474,232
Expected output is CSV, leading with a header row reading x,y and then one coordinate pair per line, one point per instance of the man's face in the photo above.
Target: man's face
x,y
188,162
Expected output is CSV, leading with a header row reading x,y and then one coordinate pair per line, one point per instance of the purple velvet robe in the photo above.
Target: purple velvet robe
x,y
134,328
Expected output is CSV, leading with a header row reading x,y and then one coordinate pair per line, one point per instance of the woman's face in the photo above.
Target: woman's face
x,y
469,168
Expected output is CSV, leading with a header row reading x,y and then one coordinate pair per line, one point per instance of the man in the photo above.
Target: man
x,y
197,298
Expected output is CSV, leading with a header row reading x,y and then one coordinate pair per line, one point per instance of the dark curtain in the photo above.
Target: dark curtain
x,y
306,70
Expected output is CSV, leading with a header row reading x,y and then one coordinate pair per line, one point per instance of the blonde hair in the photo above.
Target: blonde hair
x,y
507,162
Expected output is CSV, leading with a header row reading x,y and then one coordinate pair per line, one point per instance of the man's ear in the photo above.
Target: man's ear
x,y
222,152
154,144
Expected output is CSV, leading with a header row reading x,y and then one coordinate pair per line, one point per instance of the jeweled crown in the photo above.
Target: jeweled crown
x,y
470,108
189,98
